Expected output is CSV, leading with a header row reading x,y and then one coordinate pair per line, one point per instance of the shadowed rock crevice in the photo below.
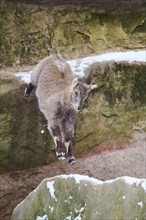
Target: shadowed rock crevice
x,y
100,5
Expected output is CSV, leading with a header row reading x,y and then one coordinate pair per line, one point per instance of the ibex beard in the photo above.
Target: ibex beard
x,y
60,97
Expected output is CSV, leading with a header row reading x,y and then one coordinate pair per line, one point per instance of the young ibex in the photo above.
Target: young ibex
x,y
60,97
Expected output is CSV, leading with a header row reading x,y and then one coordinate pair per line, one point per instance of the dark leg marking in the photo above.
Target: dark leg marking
x,y
28,90
55,131
69,146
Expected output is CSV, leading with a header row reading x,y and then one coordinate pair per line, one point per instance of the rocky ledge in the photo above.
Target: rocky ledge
x,y
80,197
100,5
112,113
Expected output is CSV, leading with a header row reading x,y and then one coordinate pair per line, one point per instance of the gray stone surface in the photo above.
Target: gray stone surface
x,y
80,197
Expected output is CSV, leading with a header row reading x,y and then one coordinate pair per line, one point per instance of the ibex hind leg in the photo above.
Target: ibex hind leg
x,y
68,136
56,134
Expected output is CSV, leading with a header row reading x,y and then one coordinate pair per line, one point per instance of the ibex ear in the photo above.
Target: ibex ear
x,y
75,82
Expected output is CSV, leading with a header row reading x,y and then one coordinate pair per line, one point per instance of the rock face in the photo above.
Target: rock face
x,y
116,109
111,114
24,139
80,197
28,31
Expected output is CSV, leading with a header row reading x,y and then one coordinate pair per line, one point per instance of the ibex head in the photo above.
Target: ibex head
x,y
79,93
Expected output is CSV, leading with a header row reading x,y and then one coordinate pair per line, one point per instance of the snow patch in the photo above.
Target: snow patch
x,y
68,218
79,65
78,178
44,217
129,180
81,209
51,208
50,186
140,204
133,180
78,217
25,76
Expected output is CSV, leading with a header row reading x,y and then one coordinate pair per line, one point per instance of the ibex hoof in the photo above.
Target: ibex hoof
x,y
71,160
60,156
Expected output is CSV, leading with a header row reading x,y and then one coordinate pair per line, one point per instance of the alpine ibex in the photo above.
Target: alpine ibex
x,y
60,97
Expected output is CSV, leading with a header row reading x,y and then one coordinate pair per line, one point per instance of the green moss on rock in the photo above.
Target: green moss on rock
x,y
119,83
28,31
5,136
113,110
77,196
21,142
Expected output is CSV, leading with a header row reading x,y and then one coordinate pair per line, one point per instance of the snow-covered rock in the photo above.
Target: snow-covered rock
x,y
77,197
79,65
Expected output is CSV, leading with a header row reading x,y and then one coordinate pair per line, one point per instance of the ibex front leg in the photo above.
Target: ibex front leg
x,y
56,134
68,145
68,136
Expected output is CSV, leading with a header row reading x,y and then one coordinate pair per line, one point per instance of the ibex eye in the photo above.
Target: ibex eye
x,y
76,93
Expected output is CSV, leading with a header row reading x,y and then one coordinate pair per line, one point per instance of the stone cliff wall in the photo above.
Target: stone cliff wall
x,y
28,31
112,113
